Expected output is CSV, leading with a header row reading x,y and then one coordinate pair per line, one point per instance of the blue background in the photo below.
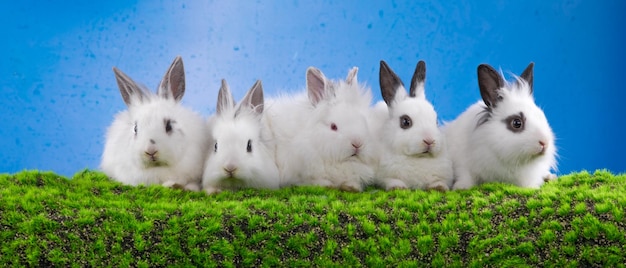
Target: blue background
x,y
59,94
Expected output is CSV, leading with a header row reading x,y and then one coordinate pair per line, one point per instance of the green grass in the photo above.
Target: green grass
x,y
46,220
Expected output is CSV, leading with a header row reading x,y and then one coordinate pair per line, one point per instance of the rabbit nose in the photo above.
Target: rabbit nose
x,y
230,168
151,151
428,141
357,144
543,147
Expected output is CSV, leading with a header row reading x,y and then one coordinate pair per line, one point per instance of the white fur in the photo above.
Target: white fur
x,y
309,152
492,153
231,129
180,154
285,116
407,161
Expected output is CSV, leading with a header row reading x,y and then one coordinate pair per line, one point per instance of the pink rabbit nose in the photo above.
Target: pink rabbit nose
x,y
357,145
543,147
230,169
151,152
429,141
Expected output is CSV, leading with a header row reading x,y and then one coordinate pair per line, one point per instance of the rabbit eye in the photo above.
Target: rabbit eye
x,y
215,147
333,127
515,123
135,129
405,122
249,147
168,126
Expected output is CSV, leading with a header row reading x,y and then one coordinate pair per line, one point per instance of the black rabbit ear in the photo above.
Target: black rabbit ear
x,y
418,80
173,83
489,82
316,85
128,88
389,83
254,98
225,99
527,75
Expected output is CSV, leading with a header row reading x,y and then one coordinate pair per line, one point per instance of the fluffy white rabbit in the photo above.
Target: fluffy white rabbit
x,y
156,140
323,137
242,153
503,138
413,151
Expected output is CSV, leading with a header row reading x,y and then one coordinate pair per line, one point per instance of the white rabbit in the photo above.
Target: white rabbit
x,y
242,153
414,153
325,140
156,140
504,138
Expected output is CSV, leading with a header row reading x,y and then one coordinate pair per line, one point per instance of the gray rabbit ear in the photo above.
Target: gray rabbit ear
x,y
225,100
489,82
254,98
351,78
528,76
315,85
173,83
389,83
128,88
418,81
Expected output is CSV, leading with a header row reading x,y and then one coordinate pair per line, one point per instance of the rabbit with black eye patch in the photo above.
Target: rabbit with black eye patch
x,y
156,140
242,154
503,138
413,152
323,137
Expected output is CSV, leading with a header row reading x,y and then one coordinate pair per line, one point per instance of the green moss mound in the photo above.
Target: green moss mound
x,y
48,220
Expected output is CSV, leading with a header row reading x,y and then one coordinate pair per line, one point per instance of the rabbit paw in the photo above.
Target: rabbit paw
x,y
394,184
212,190
438,186
350,186
192,187
549,177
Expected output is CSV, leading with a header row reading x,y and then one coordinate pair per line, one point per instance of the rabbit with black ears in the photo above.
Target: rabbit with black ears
x,y
503,138
413,151
242,153
156,140
323,137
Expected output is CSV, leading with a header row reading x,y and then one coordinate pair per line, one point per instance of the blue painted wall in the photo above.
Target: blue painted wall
x,y
59,93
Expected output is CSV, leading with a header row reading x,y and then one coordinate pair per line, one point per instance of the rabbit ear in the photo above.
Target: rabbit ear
x,y
173,82
417,82
254,98
351,78
389,83
489,82
528,76
225,99
315,85
128,88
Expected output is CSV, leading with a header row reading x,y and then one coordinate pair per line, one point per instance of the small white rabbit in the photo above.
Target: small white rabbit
x,y
242,153
504,138
413,151
323,137
156,140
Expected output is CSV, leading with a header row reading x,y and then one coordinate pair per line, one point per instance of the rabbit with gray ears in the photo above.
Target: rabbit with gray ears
x,y
413,151
503,138
323,137
156,140
242,153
